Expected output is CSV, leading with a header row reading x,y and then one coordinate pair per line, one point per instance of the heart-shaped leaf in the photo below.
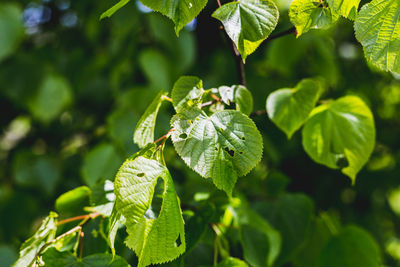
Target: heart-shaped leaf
x,y
311,14
340,134
222,146
248,22
289,108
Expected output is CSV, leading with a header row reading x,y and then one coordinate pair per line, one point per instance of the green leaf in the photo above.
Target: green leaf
x,y
116,220
289,108
340,134
248,22
197,225
53,96
100,163
243,99
311,14
280,214
261,242
187,91
32,246
11,29
155,240
114,9
55,258
181,12
238,94
74,200
377,28
222,146
353,247
232,262
345,8
8,255
156,67
144,131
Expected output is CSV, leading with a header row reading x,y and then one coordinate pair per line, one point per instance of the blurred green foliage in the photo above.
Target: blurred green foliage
x,y
72,89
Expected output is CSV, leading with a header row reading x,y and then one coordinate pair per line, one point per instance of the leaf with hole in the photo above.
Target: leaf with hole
x,y
248,22
222,146
340,134
311,14
187,91
144,131
377,28
154,239
289,108
238,94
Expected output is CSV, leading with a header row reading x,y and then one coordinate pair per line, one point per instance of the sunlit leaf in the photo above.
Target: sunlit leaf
x,y
31,247
377,28
340,134
180,11
222,146
345,8
289,108
154,239
144,131
73,201
248,22
311,14
186,91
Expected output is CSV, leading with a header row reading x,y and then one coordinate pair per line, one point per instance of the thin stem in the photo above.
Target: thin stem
x,y
164,97
165,136
281,34
80,217
81,236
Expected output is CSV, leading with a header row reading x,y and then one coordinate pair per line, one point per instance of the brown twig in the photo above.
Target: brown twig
x,y
281,34
165,136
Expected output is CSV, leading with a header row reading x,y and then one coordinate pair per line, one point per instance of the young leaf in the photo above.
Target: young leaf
x,y
261,242
55,258
144,131
74,200
222,146
180,11
32,246
377,28
238,94
345,8
248,22
243,99
353,247
155,240
186,91
311,14
340,134
289,108
114,9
